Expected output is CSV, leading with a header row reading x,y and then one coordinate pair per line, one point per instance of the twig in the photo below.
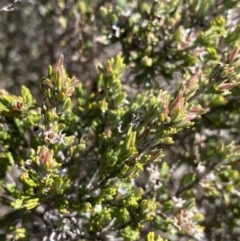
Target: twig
x,y
109,226
201,91
92,179
10,7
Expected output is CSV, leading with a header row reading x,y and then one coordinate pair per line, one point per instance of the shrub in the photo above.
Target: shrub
x,y
137,156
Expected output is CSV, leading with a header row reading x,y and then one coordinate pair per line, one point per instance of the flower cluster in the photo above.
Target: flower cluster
x,y
48,136
184,221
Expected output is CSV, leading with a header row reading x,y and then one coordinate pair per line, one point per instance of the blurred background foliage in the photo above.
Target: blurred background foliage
x,y
160,40
163,44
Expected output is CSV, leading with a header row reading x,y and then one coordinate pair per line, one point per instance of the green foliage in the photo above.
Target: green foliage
x,y
163,37
136,156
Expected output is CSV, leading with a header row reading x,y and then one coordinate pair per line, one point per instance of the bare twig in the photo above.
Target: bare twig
x,y
10,7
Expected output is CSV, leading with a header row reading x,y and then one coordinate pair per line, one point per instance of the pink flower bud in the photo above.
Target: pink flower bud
x,y
226,86
177,103
45,157
233,55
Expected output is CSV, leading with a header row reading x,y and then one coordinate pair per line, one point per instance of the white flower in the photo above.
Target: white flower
x,y
211,176
115,32
201,169
184,222
178,202
154,176
153,173
52,137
